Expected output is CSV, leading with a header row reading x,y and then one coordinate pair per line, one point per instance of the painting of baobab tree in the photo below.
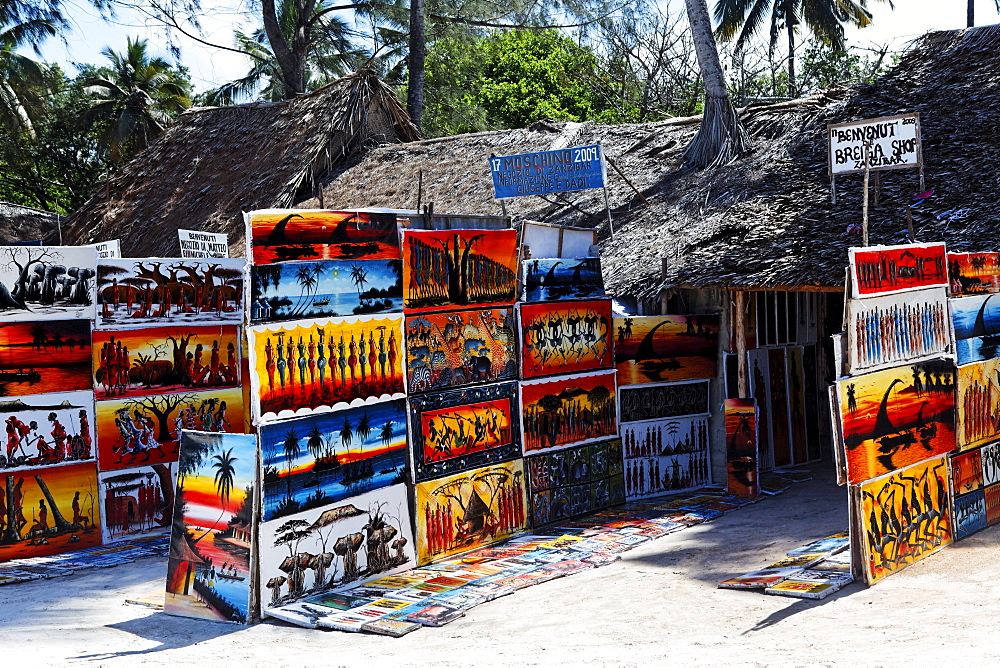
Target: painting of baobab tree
x,y
568,410
169,291
47,282
455,268
283,235
335,546
665,348
209,567
469,510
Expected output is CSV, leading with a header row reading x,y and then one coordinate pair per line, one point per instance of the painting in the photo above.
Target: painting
x,y
904,516
47,282
469,510
991,496
759,372
462,429
283,235
976,321
157,360
46,356
663,400
147,429
892,330
973,273
551,280
49,511
209,564
335,546
967,472
574,481
978,400
896,417
969,513
566,337
664,456
741,448
169,291
324,289
457,268
454,348
299,368
990,463
322,459
664,348
137,501
47,430
881,270
570,410
781,435
796,404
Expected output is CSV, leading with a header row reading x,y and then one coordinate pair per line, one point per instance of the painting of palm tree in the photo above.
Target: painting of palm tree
x,y
360,277
291,451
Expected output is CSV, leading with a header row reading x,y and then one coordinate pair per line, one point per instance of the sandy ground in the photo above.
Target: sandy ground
x,y
658,605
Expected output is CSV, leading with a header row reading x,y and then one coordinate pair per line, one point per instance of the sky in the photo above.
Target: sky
x,y
211,67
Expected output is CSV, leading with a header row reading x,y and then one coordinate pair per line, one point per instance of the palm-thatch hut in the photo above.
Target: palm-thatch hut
x,y
20,224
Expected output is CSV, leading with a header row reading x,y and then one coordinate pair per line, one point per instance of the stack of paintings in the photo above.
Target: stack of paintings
x,y
968,493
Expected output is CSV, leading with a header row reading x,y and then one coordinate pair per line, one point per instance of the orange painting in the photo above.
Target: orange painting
x,y
569,410
281,235
49,356
741,447
565,337
665,348
973,273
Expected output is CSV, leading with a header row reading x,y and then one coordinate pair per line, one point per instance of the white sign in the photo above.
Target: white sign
x,y
109,249
203,244
893,143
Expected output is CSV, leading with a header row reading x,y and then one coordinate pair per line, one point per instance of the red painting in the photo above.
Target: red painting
x,y
780,432
973,273
569,410
281,235
879,270
967,471
741,448
565,337
48,356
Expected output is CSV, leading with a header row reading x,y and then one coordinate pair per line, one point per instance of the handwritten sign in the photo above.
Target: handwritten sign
x,y
203,244
109,249
893,143
567,169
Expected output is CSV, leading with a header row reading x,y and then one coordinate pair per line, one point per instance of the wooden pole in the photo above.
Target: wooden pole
x,y
739,329
607,206
622,174
909,225
864,208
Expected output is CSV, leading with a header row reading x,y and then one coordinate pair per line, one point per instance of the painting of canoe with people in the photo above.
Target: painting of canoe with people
x,y
565,337
47,430
665,348
169,291
896,417
976,320
208,570
46,356
284,235
882,270
549,280
973,273
47,282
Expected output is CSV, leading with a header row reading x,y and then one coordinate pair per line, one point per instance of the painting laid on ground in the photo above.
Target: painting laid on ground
x,y
973,273
896,417
887,331
209,567
47,282
574,481
281,235
454,348
879,270
549,280
664,348
157,360
976,321
569,410
565,337
47,430
461,429
324,289
903,516
132,431
651,402
470,509
321,459
308,366
335,546
741,448
138,501
47,356
978,399
48,511
665,455
456,268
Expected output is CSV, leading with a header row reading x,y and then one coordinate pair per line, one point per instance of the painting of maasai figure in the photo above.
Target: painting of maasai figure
x,y
565,337
665,348
973,273
976,321
314,366
551,280
283,235
138,501
568,410
741,448
177,291
978,400
458,268
47,430
47,282
325,288
47,356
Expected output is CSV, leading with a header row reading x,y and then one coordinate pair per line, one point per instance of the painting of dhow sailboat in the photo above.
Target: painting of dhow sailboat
x,y
665,348
976,321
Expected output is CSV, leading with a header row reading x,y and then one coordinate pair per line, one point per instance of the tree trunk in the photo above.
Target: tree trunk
x,y
790,26
291,64
418,53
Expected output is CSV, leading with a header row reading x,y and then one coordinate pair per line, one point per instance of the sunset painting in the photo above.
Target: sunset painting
x,y
973,273
665,348
280,235
559,412
49,356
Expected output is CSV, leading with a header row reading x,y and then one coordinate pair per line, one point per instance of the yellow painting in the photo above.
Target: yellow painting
x,y
978,403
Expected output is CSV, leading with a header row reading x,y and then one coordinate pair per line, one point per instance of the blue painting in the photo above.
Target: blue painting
x,y
321,459
977,327
327,288
555,279
970,514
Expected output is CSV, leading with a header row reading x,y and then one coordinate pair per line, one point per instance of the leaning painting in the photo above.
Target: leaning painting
x,y
565,337
568,410
47,282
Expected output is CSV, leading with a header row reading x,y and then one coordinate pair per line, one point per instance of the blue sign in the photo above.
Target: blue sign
x,y
579,168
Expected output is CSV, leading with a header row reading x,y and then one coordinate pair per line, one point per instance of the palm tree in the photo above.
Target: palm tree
x,y
824,18
315,443
292,451
364,429
136,99
346,434
225,475
360,278
22,80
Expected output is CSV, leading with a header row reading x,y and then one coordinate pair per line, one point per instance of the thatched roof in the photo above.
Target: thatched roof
x,y
22,223
214,163
766,221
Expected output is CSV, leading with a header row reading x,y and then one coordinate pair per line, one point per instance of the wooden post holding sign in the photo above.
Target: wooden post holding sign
x,y
196,244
